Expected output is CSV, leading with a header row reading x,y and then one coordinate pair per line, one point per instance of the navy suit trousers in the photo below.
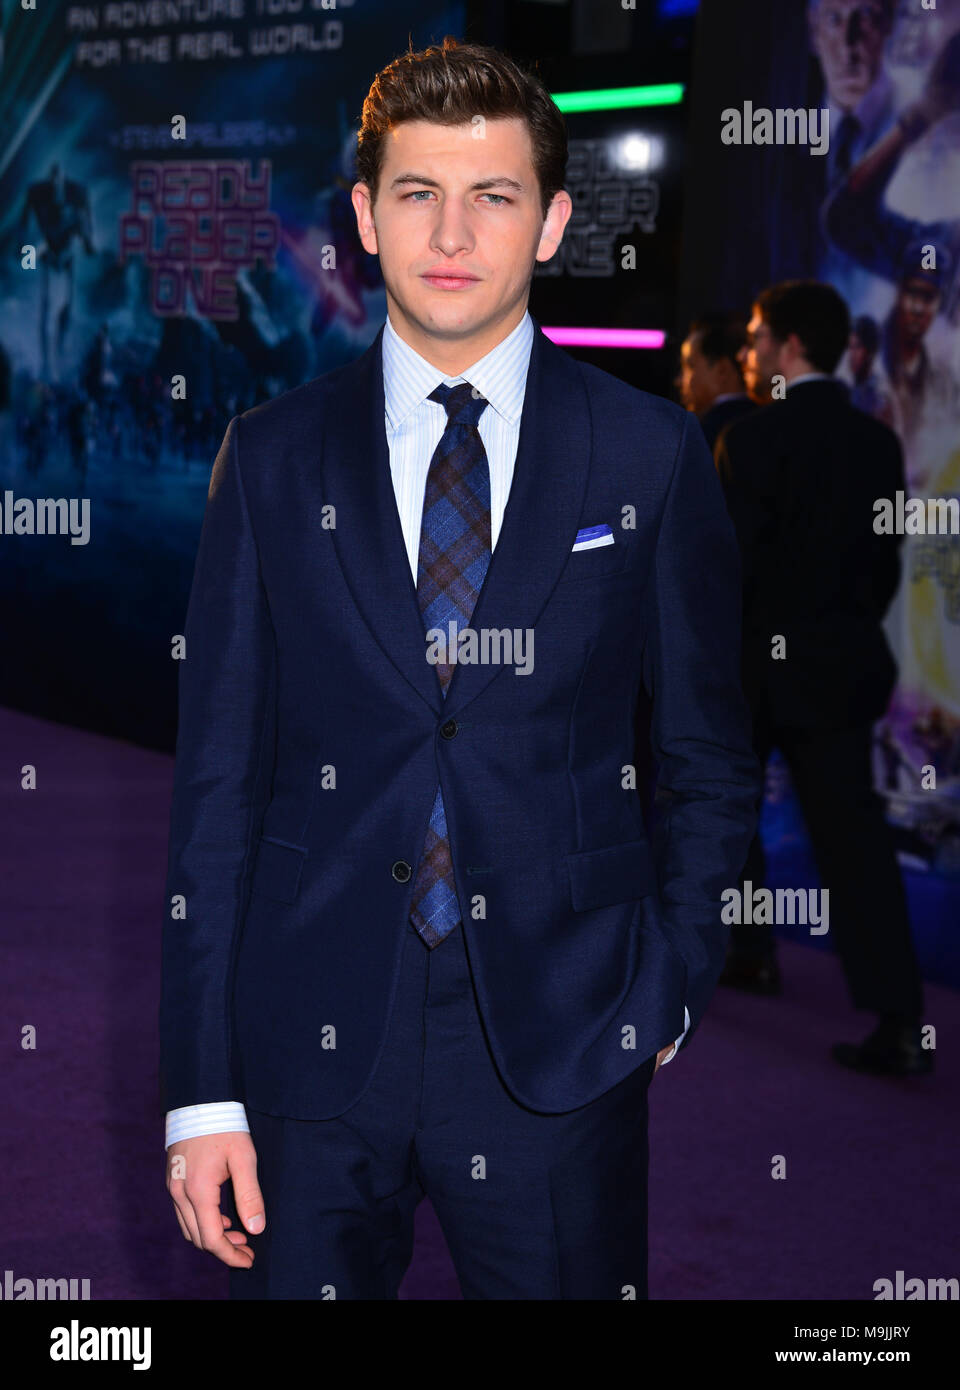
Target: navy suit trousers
x,y
532,1206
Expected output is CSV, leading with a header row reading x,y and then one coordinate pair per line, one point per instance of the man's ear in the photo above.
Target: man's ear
x,y
363,207
558,214
795,347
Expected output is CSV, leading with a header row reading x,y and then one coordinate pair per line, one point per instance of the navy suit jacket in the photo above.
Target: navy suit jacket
x,y
306,661
801,477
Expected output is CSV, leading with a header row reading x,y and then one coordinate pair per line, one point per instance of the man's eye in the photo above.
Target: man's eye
x,y
501,198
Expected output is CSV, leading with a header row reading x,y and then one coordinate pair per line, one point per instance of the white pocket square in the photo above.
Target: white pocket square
x,y
590,537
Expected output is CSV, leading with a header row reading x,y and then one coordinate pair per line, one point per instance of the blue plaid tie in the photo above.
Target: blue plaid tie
x,y
453,560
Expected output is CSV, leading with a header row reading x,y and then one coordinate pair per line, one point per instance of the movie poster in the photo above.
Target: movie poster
x,y
887,236
179,245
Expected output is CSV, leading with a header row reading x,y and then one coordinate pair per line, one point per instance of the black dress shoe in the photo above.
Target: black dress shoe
x,y
756,976
892,1049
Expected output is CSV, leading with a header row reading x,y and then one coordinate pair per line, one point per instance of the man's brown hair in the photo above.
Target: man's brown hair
x,y
813,310
450,84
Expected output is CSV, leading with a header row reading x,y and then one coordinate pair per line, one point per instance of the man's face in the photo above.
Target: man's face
x,y
859,358
695,381
458,228
759,358
848,37
917,305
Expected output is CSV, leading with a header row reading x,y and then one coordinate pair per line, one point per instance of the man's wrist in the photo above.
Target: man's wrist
x,y
676,1046
213,1117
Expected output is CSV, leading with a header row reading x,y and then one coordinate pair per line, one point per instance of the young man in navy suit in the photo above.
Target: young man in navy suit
x,y
418,941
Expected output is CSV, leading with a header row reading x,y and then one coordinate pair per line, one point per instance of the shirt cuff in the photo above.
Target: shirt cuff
x,y
686,1025
215,1117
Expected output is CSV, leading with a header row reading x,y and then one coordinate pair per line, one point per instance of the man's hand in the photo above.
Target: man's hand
x,y
196,1168
661,1056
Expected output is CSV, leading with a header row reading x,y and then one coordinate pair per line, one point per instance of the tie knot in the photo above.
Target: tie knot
x,y
463,404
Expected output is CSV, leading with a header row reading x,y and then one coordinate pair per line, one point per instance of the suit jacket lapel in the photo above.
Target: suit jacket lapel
x,y
539,523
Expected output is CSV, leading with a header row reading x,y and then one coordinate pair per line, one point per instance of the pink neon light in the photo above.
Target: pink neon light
x,y
607,337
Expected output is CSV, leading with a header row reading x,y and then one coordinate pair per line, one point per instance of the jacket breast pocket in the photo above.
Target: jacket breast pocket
x,y
597,563
277,869
616,874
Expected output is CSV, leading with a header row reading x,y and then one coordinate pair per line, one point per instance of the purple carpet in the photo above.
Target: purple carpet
x,y
869,1185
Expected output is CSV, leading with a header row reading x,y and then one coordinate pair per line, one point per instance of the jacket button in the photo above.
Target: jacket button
x,y
401,871
450,729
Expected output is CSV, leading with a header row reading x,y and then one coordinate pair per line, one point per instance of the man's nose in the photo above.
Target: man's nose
x,y
451,231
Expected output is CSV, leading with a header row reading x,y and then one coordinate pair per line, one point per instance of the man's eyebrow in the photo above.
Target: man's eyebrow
x,y
497,181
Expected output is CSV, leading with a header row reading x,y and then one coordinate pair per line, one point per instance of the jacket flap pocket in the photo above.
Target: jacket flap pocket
x,y
276,872
617,874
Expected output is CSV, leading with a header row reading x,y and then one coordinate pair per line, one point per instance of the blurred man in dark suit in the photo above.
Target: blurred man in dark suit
x,y
710,380
801,477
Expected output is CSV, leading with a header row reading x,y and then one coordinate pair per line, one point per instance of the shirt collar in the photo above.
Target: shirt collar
x,y
809,376
500,376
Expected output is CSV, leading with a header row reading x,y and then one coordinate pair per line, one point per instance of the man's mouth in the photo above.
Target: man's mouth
x,y
449,279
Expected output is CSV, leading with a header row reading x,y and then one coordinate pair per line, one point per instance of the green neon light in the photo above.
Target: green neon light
x,y
617,98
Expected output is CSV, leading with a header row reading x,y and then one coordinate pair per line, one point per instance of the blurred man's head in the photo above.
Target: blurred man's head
x,y
848,37
920,291
918,303
797,327
460,164
709,365
862,348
